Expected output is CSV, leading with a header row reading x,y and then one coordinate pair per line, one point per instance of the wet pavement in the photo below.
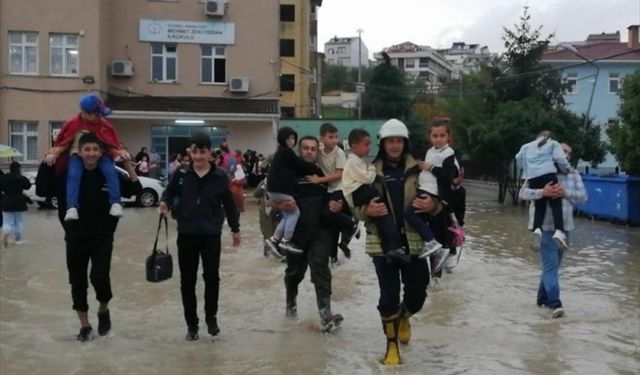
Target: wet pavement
x,y
482,319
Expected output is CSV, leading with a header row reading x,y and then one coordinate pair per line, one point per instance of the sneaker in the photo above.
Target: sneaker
x,y
291,312
439,257
347,235
560,239
72,214
212,327
451,262
290,247
536,238
85,334
333,321
104,323
273,246
116,210
558,312
345,249
398,257
429,248
192,334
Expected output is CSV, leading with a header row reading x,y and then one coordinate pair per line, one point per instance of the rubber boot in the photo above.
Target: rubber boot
x,y
404,326
328,320
390,327
291,309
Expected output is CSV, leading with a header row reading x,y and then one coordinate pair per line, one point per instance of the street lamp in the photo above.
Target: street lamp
x,y
573,50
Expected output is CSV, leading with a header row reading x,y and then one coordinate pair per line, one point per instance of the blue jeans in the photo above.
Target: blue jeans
x,y
74,176
287,225
13,222
551,258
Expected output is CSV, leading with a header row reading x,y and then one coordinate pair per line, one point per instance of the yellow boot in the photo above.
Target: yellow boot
x,y
404,327
390,327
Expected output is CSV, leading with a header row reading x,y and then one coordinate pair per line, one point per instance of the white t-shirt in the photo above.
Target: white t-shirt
x,y
329,162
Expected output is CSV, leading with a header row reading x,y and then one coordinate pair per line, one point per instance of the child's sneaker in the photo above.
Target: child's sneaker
x,y
429,248
439,257
85,334
560,239
536,238
272,244
345,249
558,312
72,214
116,210
290,247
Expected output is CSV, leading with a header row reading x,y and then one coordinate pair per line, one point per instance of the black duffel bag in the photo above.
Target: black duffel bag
x,y
160,263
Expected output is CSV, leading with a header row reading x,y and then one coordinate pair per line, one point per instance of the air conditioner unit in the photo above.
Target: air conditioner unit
x,y
239,84
214,8
122,68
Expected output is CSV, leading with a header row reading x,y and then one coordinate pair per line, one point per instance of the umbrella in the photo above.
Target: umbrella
x,y
8,152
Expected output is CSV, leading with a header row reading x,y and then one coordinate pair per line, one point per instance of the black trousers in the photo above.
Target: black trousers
x,y
316,258
79,253
190,249
388,231
413,278
541,204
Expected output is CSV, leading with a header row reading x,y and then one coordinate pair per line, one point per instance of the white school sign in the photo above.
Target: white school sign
x,y
170,31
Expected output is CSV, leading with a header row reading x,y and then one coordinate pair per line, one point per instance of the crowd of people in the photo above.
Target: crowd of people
x,y
316,200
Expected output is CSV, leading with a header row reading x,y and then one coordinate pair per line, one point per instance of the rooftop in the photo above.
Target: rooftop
x,y
596,51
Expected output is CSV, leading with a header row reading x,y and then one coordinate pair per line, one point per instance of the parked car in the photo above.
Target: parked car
x,y
152,190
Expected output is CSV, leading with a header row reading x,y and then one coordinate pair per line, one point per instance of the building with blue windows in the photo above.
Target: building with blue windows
x,y
594,70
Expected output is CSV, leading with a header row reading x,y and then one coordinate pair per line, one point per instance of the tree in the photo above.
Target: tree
x,y
625,136
336,78
386,93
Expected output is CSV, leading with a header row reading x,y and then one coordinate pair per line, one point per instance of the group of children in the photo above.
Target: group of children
x,y
350,181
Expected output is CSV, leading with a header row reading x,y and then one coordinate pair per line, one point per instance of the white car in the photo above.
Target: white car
x,y
152,190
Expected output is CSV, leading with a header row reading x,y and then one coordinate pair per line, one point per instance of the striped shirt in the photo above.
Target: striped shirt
x,y
574,192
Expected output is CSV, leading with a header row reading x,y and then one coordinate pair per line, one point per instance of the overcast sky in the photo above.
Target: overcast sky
x,y
438,23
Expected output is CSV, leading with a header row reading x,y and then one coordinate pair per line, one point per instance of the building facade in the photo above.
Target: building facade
x,y
166,68
349,52
299,90
467,58
419,61
595,79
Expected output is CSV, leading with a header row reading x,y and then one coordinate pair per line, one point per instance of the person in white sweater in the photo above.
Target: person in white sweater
x,y
357,178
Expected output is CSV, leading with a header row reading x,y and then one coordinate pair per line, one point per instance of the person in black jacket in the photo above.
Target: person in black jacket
x,y
90,238
14,203
286,168
200,198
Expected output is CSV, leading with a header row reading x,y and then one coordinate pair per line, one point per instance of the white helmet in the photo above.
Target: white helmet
x,y
393,128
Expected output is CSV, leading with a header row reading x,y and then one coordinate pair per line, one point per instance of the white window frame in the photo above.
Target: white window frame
x,y
572,77
26,134
413,63
164,55
614,77
213,57
23,46
66,47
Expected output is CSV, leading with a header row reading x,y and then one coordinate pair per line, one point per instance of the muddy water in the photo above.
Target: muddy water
x,y
482,319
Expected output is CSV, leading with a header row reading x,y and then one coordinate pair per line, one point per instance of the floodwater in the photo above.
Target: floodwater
x,y
481,319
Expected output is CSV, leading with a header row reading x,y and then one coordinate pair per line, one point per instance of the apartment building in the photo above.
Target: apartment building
x,y
299,60
167,69
419,61
467,58
349,51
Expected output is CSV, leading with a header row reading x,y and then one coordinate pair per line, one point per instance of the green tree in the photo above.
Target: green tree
x,y
386,93
625,136
336,78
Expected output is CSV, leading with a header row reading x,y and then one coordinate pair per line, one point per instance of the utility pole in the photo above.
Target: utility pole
x,y
359,87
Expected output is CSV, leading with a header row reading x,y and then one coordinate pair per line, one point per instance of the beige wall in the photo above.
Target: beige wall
x,y
109,30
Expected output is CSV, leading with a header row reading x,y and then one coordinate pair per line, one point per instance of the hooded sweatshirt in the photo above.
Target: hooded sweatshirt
x,y
286,166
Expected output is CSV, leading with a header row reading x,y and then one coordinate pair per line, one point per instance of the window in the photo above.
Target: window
x,y
424,62
344,61
287,13
287,82
614,83
164,61
410,63
213,65
572,83
331,51
64,54
287,47
424,74
287,112
54,129
342,50
23,52
23,135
